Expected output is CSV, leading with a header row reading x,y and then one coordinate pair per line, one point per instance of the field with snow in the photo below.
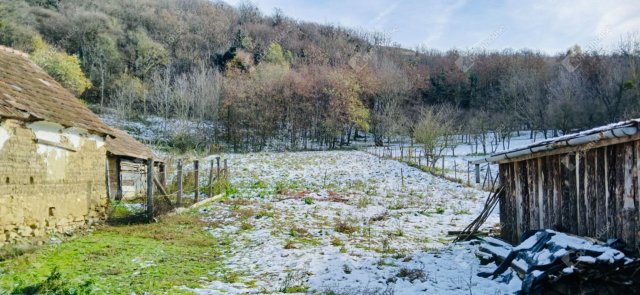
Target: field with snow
x,y
456,159
347,223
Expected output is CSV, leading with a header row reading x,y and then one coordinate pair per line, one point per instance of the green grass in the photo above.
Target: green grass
x,y
151,258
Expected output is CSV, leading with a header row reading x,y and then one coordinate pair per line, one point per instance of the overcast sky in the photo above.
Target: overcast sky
x,y
548,26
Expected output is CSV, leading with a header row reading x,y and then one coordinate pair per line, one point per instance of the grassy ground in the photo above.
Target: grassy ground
x,y
144,258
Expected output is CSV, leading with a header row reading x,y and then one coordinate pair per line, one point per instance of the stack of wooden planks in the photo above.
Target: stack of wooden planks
x,y
550,262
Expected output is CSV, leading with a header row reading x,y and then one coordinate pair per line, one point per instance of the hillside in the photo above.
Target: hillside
x,y
246,80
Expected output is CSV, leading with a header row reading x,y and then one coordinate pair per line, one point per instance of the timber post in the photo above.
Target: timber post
x,y
210,178
196,175
118,179
150,189
477,173
226,170
162,169
218,168
179,180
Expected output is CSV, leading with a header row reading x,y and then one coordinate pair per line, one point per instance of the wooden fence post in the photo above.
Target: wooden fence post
x,y
179,180
211,179
150,189
226,170
477,173
163,174
455,169
196,175
118,179
218,168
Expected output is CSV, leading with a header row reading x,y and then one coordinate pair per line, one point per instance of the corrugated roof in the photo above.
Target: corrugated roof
x,y
123,145
29,93
616,130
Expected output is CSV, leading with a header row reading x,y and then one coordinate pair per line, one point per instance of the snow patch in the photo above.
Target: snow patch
x,y
4,136
98,139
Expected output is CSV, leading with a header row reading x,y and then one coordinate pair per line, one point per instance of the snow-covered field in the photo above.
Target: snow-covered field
x,y
347,223
456,160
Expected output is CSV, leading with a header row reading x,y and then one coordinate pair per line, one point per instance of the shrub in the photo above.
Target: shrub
x,y
345,226
308,200
55,283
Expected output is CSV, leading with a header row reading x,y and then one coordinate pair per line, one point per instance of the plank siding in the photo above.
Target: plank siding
x,y
610,185
524,202
590,196
628,219
506,202
594,192
580,195
532,187
600,187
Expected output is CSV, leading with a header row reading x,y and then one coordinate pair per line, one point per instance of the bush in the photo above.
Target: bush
x,y
345,226
55,284
308,200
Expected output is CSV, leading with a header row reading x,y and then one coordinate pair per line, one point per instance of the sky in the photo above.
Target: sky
x,y
540,25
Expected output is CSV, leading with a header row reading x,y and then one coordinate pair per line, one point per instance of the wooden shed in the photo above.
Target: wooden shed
x,y
585,184
127,169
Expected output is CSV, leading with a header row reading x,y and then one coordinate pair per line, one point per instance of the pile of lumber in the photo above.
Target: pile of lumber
x,y
550,262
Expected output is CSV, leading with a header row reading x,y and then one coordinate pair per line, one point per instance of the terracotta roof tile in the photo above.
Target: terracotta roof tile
x,y
126,146
28,93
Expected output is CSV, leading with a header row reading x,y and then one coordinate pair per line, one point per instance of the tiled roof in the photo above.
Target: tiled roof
x,y
28,93
124,145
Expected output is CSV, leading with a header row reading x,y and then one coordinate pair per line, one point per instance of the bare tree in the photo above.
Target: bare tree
x,y
434,130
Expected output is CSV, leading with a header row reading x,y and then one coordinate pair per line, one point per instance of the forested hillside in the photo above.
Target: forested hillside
x,y
243,78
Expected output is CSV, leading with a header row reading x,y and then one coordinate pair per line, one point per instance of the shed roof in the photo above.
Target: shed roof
x,y
124,145
28,93
620,130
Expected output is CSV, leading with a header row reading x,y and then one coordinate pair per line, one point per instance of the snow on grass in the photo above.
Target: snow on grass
x,y
456,160
344,222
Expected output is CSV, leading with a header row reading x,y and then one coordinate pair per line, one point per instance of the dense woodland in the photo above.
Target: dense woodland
x,y
248,80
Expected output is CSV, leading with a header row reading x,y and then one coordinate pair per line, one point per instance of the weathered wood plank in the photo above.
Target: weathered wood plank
x,y
506,203
513,206
628,216
610,159
636,192
524,202
572,149
581,207
601,195
619,189
532,187
547,193
557,192
590,197
568,197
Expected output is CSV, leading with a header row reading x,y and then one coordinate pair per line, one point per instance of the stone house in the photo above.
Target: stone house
x,y
52,154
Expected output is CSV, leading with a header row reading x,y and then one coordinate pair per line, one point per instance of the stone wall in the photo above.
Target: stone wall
x,y
52,180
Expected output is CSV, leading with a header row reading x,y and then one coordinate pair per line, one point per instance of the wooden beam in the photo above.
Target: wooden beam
x,y
179,180
196,175
572,149
163,190
150,189
55,144
118,179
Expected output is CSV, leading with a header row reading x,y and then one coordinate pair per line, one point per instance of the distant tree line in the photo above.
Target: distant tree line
x,y
248,81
